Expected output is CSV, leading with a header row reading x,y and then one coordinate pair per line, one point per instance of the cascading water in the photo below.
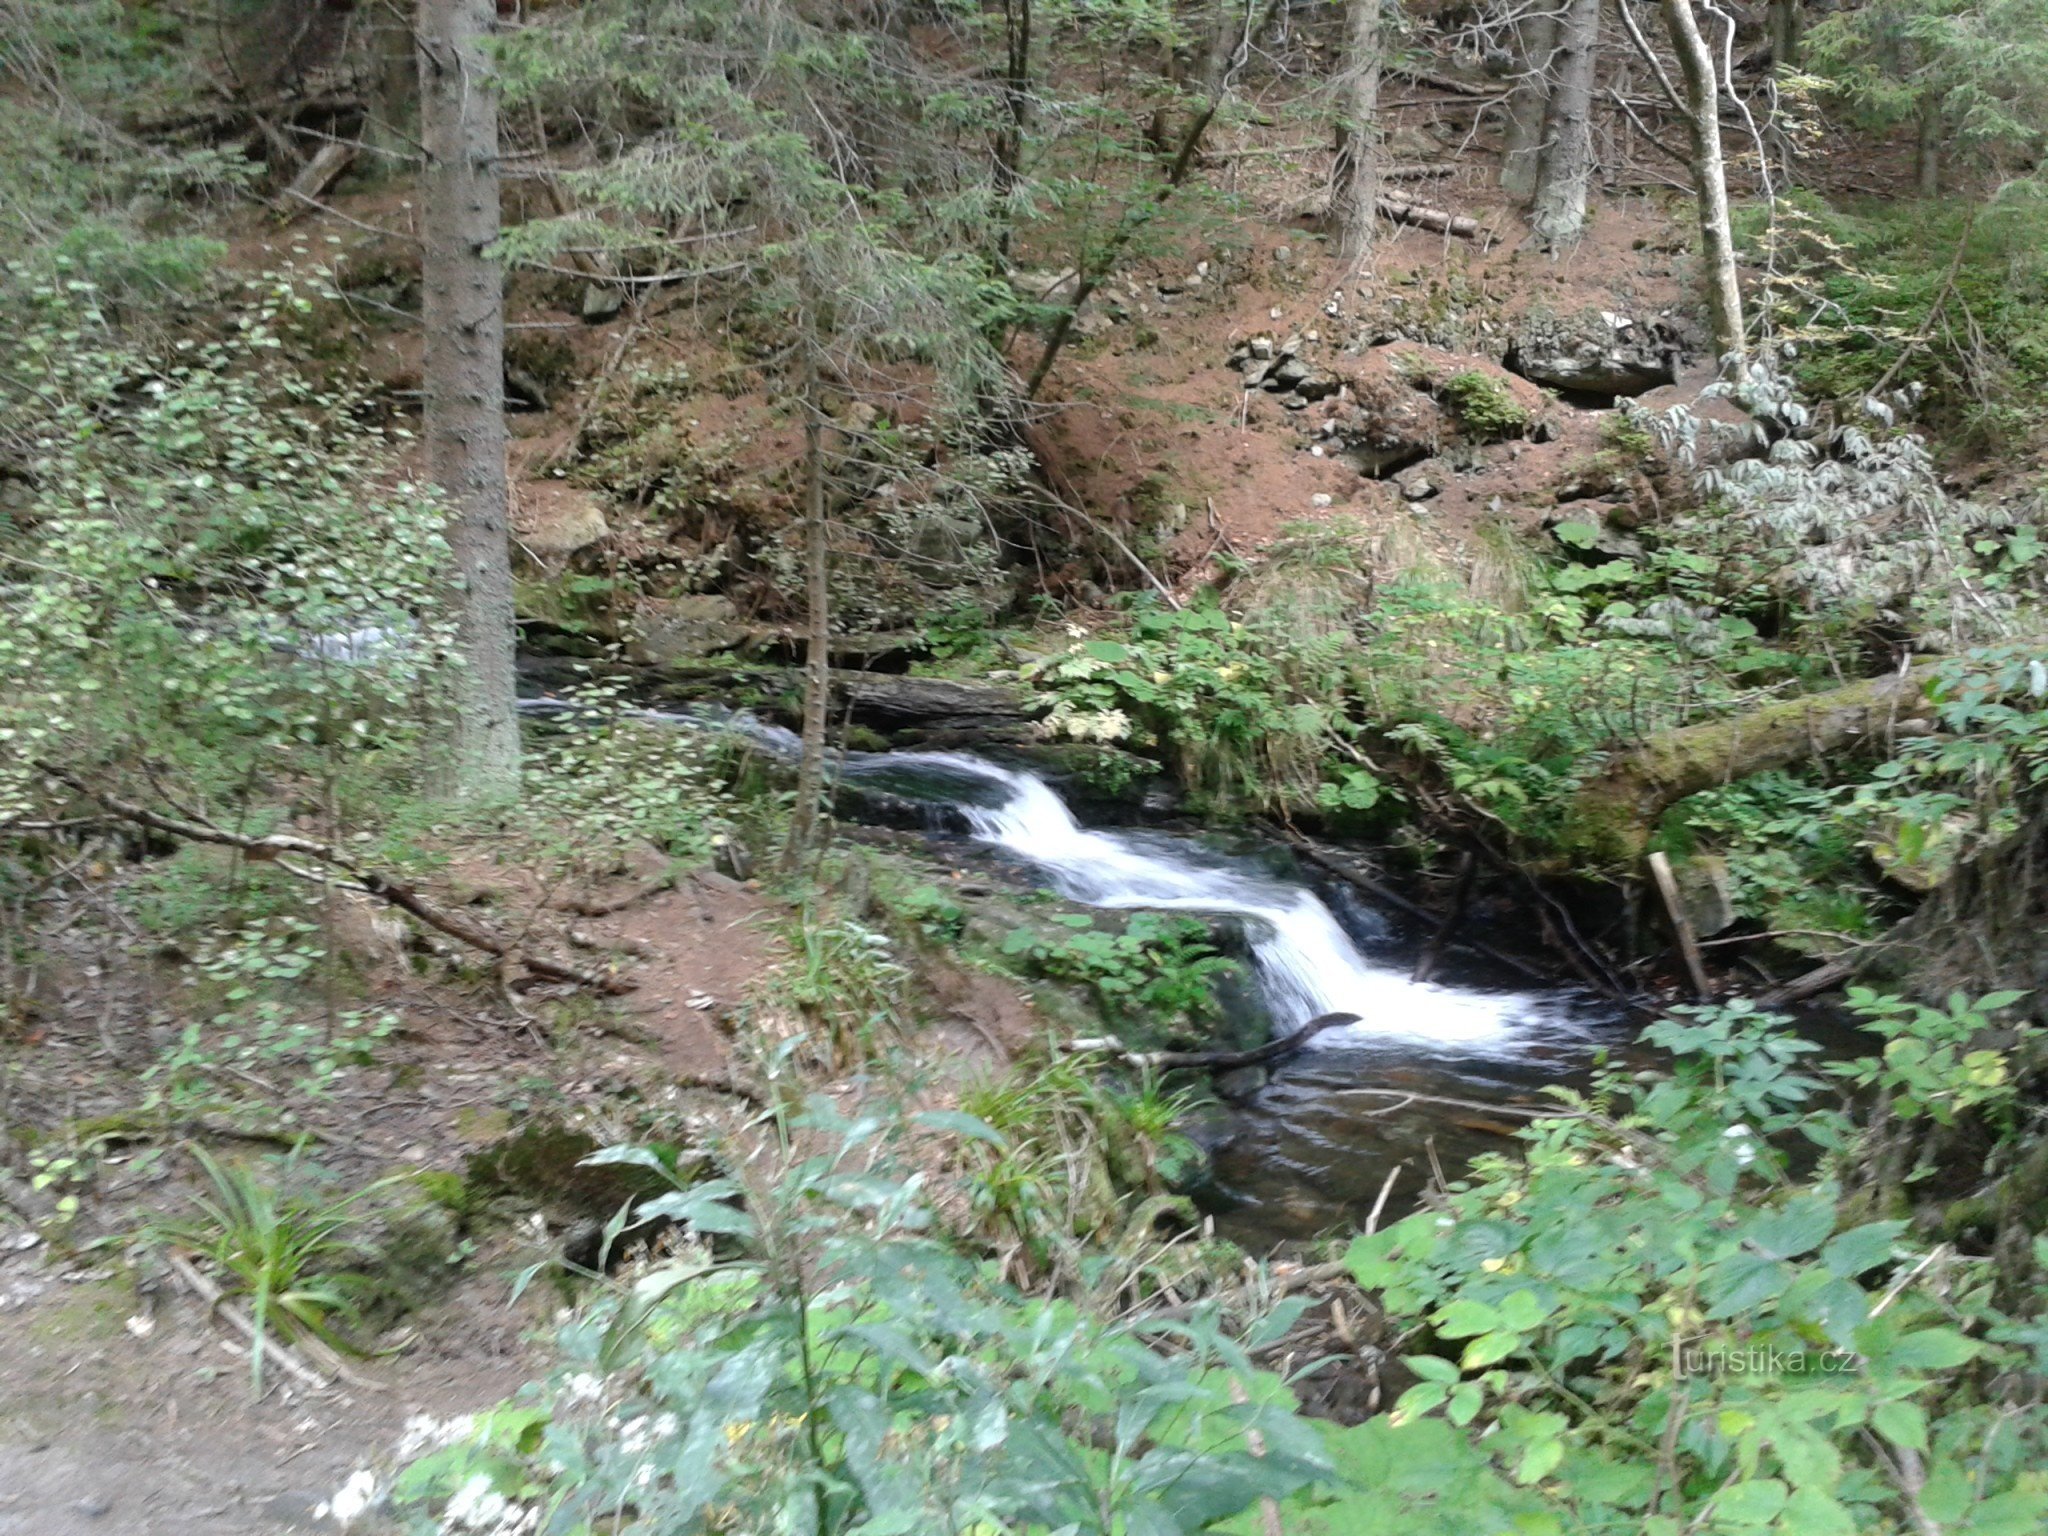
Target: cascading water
x,y
1307,1151
1305,962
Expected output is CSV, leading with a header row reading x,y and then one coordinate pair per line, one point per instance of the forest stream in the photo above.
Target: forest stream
x,y
1313,1147
1307,1151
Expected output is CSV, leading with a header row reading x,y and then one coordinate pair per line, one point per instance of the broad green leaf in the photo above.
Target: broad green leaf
x,y
1902,1423
1932,1349
1848,1254
1799,1226
1756,1502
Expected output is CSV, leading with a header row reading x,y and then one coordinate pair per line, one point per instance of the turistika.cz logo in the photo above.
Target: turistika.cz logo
x,y
1757,1360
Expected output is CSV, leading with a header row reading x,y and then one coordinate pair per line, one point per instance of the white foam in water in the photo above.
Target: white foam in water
x,y
1306,963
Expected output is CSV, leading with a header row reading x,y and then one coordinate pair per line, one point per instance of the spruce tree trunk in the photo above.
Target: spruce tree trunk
x,y
463,316
1709,176
1358,168
1559,214
1017,111
810,777
1787,26
1521,155
1927,148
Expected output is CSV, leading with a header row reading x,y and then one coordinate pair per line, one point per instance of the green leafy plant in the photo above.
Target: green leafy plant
x,y
1158,965
1486,410
1644,1322
813,1355
843,981
285,1252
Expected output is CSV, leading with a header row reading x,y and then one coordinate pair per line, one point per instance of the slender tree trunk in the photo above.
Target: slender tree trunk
x,y
1357,192
1787,25
1522,148
1927,148
463,316
1559,214
810,777
1709,176
1017,110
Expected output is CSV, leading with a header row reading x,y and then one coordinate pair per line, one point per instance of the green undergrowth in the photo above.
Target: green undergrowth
x,y
1951,295
1682,1302
1828,855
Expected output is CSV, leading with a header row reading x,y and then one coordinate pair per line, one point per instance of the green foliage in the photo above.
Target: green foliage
x,y
86,202
1977,65
1234,707
1159,966
1487,412
611,781
281,1250
1642,1323
1046,1192
219,573
818,1360
842,981
1949,296
1929,1068
1796,861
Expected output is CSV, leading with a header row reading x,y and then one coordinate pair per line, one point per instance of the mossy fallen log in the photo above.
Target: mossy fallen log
x,y
1613,814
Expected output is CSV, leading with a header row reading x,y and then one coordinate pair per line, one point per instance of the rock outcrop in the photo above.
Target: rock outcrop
x,y
1596,352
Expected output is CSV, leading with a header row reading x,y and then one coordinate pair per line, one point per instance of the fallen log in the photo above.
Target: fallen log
x,y
1822,978
328,165
1610,819
1436,220
1212,1061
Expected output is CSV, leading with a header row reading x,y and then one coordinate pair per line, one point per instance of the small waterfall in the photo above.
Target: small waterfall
x,y
1304,961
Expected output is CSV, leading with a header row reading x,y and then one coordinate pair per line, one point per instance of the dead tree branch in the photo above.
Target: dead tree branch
x,y
280,848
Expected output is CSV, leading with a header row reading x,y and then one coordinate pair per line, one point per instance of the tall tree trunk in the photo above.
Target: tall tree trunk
x,y
1559,214
1709,176
1787,25
463,316
1357,192
1522,148
1927,148
810,776
1017,112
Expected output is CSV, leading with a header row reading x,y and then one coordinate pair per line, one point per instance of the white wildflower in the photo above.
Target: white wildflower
x,y
1745,1142
423,1432
352,1500
477,1506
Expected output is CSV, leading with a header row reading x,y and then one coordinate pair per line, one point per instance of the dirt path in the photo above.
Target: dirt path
x,y
119,1418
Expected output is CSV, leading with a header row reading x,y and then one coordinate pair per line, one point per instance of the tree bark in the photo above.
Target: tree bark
x,y
810,775
1927,148
463,316
1358,166
1522,149
1017,111
1559,215
1709,176
1787,26
1614,811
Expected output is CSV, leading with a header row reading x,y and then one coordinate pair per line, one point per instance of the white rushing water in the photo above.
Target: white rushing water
x,y
1305,963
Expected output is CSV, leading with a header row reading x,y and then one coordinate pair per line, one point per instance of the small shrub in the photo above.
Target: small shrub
x,y
1486,410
